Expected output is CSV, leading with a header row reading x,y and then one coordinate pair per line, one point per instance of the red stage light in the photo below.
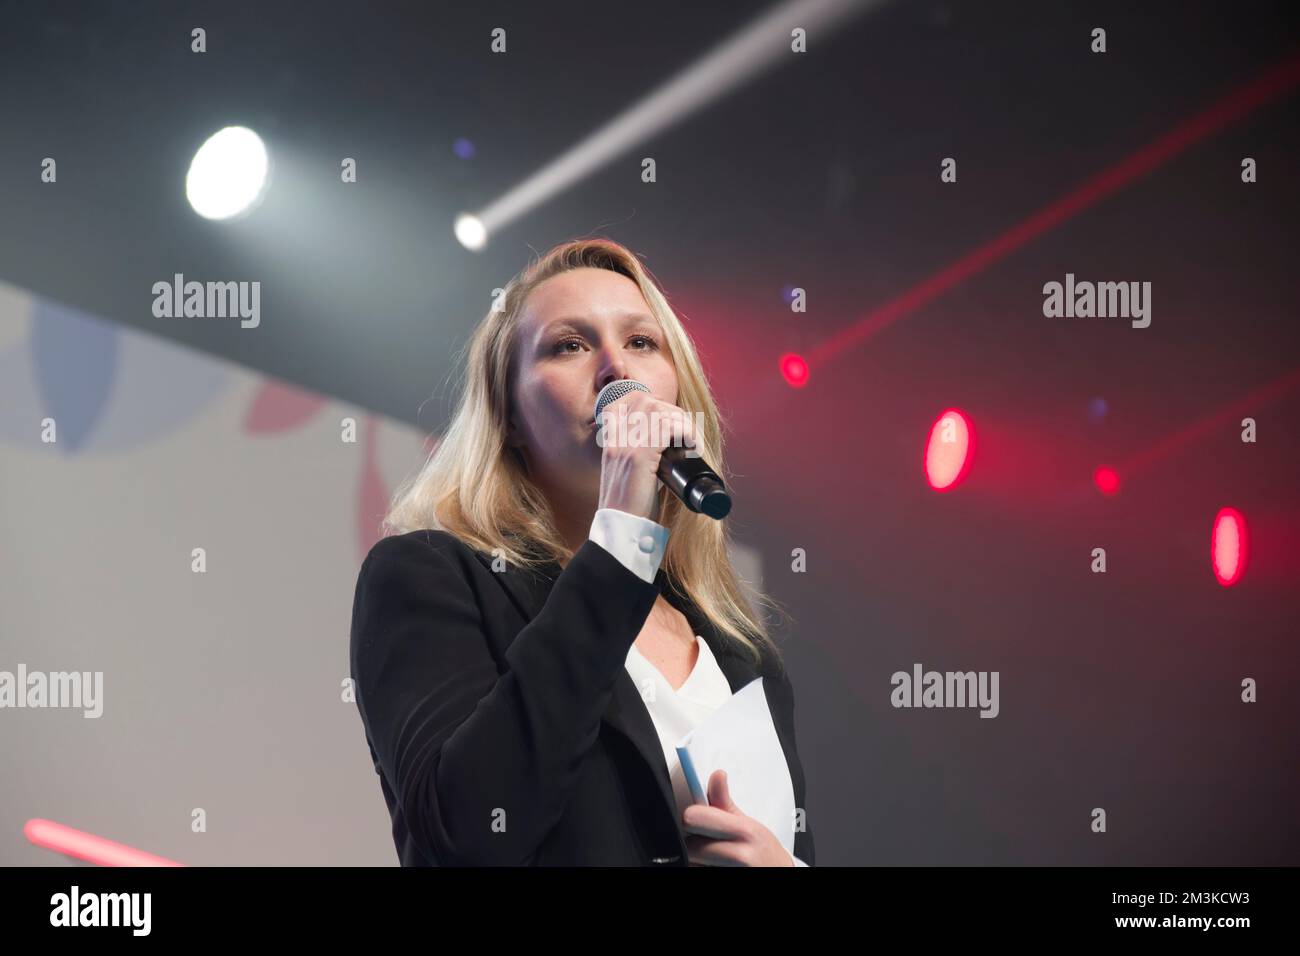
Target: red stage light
x,y
1228,546
949,450
87,846
794,370
1106,479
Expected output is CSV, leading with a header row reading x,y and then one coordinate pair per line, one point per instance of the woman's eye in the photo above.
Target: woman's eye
x,y
649,341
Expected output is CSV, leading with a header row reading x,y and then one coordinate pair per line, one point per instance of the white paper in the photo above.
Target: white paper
x,y
740,738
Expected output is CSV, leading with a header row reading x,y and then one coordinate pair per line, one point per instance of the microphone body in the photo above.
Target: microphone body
x,y
687,476
694,482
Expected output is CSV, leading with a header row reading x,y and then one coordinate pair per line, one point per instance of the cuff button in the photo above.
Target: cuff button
x,y
647,543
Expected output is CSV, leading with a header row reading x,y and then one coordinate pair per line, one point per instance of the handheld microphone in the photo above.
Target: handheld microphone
x,y
688,476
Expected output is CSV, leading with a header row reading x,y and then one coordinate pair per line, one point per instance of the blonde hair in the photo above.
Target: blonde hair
x,y
475,487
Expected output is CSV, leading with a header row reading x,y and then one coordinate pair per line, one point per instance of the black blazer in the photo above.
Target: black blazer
x,y
501,719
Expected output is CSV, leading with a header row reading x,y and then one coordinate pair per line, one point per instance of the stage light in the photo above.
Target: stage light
x,y
87,846
794,370
1228,546
470,231
1106,479
229,173
949,451
760,45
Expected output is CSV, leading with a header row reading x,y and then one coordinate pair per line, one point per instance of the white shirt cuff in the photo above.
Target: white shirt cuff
x,y
638,543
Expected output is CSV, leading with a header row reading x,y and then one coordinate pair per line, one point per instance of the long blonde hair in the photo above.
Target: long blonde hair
x,y
475,487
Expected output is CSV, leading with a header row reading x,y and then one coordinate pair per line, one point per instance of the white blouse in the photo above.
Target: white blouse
x,y
639,544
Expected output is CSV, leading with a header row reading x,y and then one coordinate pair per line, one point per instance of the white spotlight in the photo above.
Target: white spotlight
x,y
763,44
228,174
470,231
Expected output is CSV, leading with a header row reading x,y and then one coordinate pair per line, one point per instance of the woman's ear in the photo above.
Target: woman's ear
x,y
515,443
512,431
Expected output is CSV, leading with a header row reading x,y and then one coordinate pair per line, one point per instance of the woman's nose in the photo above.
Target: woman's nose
x,y
612,371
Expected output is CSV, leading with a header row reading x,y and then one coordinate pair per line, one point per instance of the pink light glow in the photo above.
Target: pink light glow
x,y
949,450
794,370
1106,479
1228,546
87,846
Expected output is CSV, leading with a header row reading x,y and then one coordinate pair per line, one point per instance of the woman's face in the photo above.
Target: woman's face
x,y
579,331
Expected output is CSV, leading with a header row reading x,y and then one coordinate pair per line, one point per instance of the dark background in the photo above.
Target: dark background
x,y
1120,690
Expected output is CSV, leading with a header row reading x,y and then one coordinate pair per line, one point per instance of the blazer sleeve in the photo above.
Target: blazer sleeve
x,y
804,852
483,760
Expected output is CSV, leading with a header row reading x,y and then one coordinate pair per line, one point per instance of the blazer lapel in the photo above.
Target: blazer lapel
x,y
627,712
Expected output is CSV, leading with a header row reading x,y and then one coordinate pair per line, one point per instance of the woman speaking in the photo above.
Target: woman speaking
x,y
545,620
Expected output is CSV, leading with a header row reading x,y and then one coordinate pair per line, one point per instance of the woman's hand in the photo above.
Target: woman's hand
x,y
728,837
629,469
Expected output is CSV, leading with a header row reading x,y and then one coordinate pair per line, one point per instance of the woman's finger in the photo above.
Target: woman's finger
x,y
712,852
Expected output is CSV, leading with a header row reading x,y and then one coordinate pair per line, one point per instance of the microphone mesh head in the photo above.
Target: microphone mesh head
x,y
614,391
